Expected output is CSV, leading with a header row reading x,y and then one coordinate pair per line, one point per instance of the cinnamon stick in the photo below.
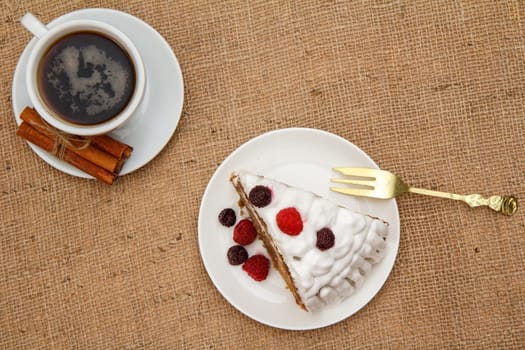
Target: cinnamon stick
x,y
110,145
29,133
103,142
102,151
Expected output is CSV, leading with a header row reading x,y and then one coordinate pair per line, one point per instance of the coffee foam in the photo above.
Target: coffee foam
x,y
102,90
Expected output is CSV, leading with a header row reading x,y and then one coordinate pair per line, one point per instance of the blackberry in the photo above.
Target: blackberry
x,y
227,217
325,239
260,196
237,255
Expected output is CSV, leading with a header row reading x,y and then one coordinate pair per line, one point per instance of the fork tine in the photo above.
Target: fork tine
x,y
366,172
355,182
353,191
361,192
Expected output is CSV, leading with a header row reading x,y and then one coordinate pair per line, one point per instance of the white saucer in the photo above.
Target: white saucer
x,y
155,121
304,158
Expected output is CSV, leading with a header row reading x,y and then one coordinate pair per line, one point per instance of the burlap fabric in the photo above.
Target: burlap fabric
x,y
433,91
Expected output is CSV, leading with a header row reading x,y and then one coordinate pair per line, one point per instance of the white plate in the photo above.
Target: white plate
x,y
304,158
156,119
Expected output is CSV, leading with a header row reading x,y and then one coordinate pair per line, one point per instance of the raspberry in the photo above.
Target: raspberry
x,y
325,239
244,232
260,196
257,267
289,221
227,217
237,255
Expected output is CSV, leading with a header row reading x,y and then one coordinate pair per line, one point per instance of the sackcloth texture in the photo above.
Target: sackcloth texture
x,y
432,90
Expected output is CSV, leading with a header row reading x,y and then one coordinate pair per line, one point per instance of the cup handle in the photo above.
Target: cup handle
x,y
34,25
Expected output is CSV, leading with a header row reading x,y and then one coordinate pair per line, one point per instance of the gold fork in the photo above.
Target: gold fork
x,y
383,184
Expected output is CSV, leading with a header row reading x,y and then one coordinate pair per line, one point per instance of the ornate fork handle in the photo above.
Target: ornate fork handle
x,y
504,204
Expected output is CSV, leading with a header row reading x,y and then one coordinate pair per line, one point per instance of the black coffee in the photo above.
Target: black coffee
x,y
86,78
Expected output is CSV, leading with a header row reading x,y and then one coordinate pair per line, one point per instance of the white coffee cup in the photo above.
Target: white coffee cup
x,y
46,37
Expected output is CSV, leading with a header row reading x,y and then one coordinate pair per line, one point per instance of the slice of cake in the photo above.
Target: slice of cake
x,y
322,250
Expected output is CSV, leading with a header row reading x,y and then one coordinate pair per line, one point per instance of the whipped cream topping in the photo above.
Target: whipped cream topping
x,y
329,276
